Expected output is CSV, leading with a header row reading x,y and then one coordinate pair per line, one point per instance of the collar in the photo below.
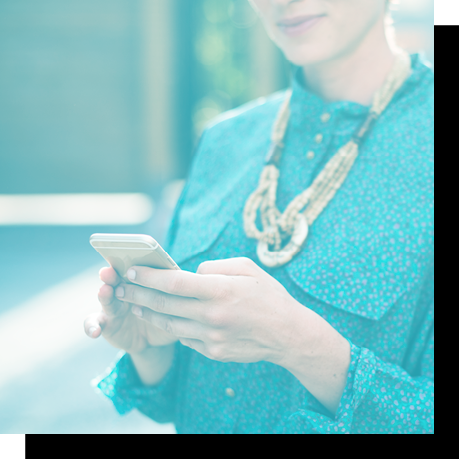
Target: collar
x,y
307,107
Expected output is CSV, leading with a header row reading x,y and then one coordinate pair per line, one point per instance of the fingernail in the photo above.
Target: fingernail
x,y
92,330
119,292
137,311
131,274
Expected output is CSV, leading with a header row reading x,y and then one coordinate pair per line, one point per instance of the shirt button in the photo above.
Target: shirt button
x,y
230,392
325,118
319,138
311,155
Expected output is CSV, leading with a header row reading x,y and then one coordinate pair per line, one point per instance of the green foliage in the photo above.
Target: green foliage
x,y
223,30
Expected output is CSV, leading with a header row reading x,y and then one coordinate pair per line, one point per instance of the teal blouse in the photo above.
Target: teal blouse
x,y
367,268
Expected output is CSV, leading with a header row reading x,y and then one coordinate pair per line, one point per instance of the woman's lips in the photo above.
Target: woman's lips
x,y
298,26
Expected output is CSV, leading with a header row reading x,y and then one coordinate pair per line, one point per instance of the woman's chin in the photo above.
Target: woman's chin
x,y
304,56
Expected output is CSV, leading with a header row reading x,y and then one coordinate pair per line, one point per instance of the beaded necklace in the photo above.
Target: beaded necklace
x,y
301,213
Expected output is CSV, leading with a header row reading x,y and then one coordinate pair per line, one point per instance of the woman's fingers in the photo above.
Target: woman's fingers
x,y
94,324
110,304
109,276
163,303
177,326
179,283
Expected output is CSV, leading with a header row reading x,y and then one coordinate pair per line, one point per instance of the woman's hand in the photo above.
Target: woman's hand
x,y
230,310
118,325
233,311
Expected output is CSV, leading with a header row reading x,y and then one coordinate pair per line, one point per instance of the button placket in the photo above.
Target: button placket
x,y
318,139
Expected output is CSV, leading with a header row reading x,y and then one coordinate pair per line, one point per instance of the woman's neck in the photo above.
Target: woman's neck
x,y
354,77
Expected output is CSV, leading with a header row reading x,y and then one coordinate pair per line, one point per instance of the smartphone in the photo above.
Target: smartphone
x,y
122,251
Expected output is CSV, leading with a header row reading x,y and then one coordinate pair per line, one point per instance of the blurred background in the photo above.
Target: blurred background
x,y
102,103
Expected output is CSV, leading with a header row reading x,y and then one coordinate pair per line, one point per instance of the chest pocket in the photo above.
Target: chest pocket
x,y
346,279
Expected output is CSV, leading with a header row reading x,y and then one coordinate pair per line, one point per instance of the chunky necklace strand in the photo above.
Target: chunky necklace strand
x,y
301,213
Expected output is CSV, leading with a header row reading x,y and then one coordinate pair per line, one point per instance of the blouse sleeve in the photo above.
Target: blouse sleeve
x,y
380,397
122,385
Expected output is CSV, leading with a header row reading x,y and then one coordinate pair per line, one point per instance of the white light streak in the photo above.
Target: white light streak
x,y
75,209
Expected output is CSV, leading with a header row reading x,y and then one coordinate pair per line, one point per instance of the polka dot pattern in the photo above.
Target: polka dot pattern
x,y
367,268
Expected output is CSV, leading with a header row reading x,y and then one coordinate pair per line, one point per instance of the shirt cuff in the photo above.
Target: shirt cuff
x,y
122,385
313,414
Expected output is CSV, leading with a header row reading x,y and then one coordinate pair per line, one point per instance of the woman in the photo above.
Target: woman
x,y
305,300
